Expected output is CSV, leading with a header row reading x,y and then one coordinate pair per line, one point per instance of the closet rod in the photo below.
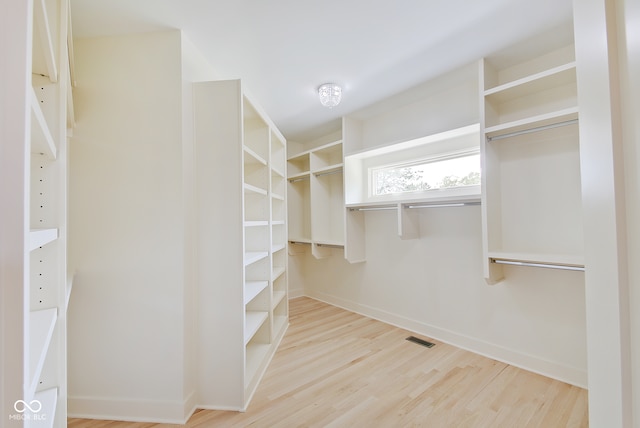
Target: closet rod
x,y
542,265
530,130
293,180
330,245
453,204
337,171
394,207
299,243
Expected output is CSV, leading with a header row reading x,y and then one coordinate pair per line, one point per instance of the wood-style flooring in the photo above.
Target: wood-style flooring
x,y
335,368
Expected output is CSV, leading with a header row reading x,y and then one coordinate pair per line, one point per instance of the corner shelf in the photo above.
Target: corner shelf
x,y
41,237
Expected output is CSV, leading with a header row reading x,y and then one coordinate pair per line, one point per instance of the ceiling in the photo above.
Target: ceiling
x,y
284,49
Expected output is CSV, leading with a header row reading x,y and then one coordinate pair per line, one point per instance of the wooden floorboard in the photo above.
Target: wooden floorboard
x,y
335,368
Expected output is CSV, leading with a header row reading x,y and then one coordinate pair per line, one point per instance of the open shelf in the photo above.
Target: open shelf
x,y
252,289
44,55
253,321
41,139
41,325
41,237
254,256
46,416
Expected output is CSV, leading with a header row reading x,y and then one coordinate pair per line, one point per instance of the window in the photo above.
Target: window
x,y
441,172
439,167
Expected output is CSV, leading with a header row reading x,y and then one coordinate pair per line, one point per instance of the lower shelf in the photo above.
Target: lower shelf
x,y
253,321
255,358
41,325
46,406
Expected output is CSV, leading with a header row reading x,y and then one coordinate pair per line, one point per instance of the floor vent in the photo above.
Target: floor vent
x,y
420,342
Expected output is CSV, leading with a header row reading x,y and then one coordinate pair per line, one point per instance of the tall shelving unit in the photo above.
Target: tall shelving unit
x,y
531,174
41,180
316,201
242,263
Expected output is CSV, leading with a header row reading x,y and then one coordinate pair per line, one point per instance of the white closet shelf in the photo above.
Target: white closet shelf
x,y
277,171
70,278
277,222
249,188
48,399
41,326
44,59
253,156
277,247
533,122
254,256
256,354
277,297
329,242
331,169
256,223
41,237
299,176
277,196
277,272
41,139
252,289
253,321
553,77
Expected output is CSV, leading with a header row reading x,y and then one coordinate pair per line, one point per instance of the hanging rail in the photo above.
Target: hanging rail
x,y
541,265
293,180
330,245
531,130
452,204
337,171
379,208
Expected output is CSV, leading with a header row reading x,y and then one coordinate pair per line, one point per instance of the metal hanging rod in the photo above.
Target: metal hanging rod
x,y
337,171
452,204
293,180
530,130
541,265
330,245
299,243
390,207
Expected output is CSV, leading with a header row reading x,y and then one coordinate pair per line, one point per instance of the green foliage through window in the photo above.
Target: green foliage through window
x,y
458,171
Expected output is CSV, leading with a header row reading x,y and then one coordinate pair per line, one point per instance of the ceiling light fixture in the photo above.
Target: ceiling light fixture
x,y
330,94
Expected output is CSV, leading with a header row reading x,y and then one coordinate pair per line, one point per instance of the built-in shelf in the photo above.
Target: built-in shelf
x,y
254,256
44,59
41,325
554,77
277,272
256,223
252,289
277,297
41,138
253,321
41,237
254,189
45,417
538,121
253,157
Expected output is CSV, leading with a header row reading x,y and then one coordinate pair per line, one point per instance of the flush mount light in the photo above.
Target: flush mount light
x,y
330,94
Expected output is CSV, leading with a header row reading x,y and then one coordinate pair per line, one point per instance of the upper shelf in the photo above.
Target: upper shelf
x,y
41,139
44,57
554,77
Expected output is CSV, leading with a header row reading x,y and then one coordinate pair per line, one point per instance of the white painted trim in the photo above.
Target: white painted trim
x,y
563,373
131,409
298,292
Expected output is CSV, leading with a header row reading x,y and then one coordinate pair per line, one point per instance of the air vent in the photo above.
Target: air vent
x,y
420,341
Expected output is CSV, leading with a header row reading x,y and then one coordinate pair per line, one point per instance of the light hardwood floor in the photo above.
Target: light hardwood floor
x,y
335,368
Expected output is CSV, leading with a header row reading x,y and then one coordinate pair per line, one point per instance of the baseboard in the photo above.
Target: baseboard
x,y
131,410
563,373
298,292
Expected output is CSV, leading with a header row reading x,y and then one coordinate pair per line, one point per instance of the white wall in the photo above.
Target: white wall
x,y
629,35
434,285
127,239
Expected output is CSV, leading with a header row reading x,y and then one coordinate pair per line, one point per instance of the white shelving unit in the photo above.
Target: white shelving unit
x,y
531,173
242,249
316,196
34,354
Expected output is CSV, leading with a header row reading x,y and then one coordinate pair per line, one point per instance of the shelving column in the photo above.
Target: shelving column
x,y
531,173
